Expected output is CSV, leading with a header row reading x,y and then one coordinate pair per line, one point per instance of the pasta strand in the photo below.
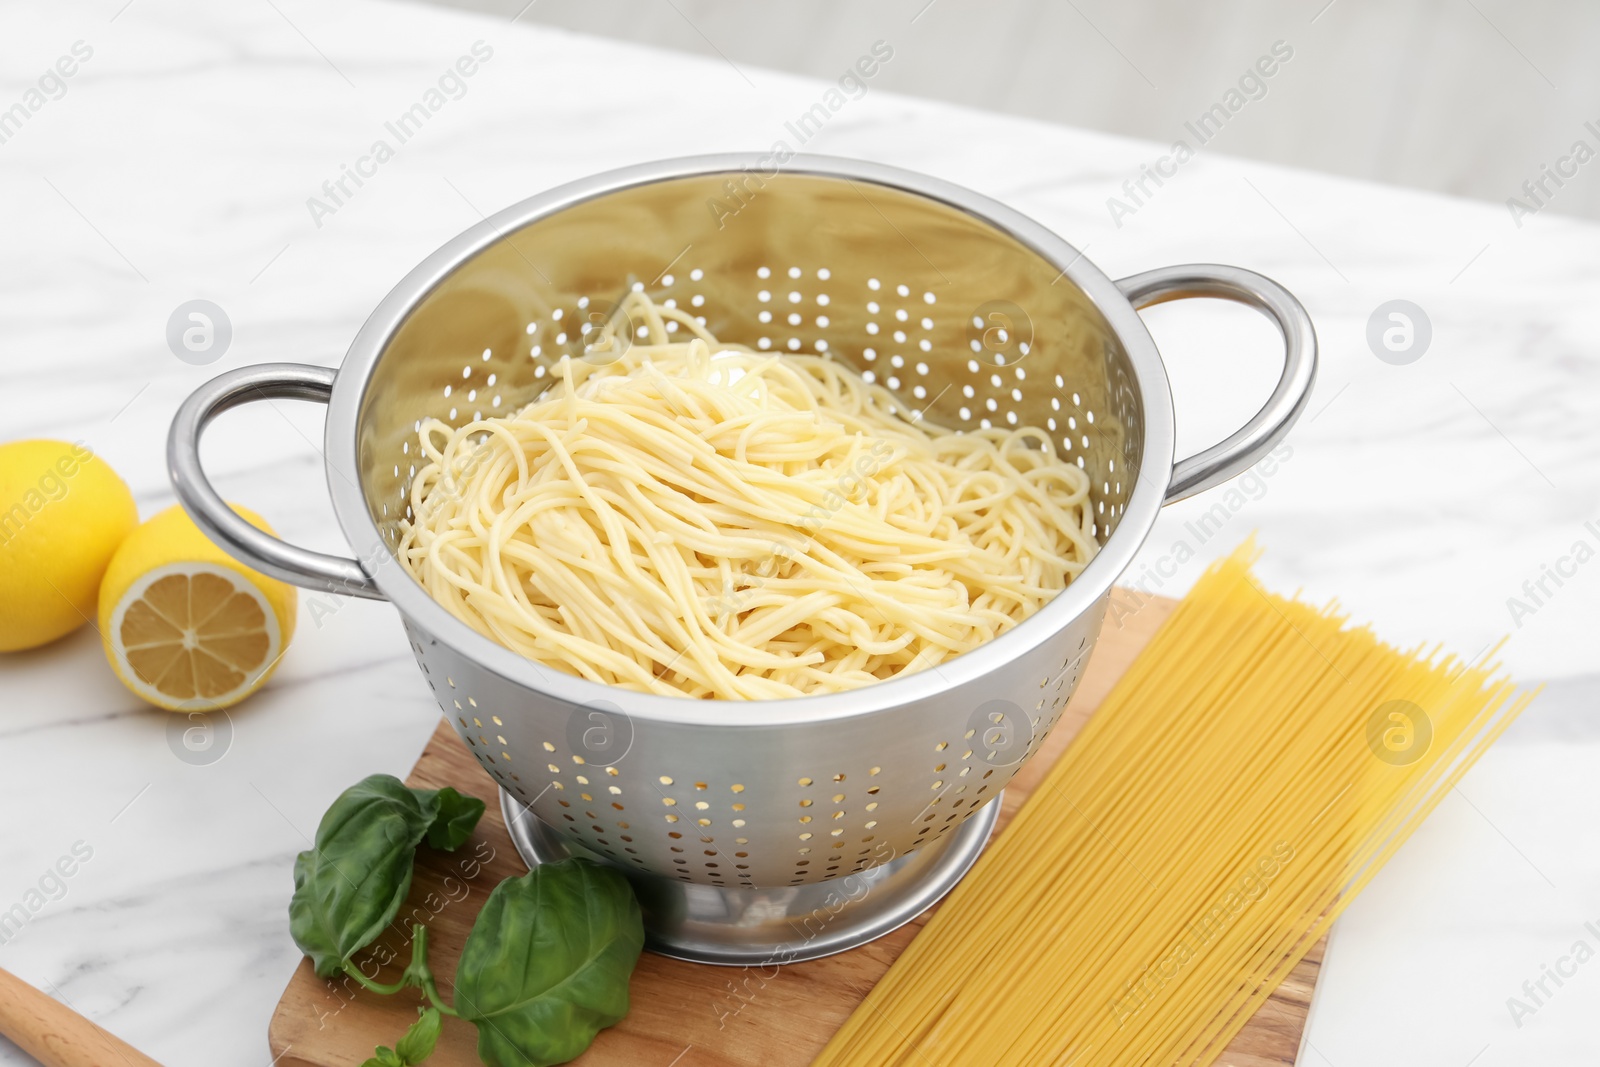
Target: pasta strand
x,y
693,518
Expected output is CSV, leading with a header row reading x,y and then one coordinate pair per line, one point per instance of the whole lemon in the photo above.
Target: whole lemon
x,y
185,625
63,512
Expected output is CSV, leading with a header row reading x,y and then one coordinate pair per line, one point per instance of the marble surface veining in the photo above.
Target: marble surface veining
x,y
177,164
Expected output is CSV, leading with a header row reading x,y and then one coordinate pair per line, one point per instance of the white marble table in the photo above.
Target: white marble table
x,y
177,165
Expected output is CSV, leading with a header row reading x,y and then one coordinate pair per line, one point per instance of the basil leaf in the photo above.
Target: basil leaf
x,y
546,966
457,816
384,1057
417,1044
351,883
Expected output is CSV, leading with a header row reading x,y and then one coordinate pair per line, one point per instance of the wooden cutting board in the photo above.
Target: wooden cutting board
x,y
686,1014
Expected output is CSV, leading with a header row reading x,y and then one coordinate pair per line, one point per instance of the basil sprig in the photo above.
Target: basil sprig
x,y
547,963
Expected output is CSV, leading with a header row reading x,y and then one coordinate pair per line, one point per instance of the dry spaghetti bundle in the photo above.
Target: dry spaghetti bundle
x,y
1245,779
694,518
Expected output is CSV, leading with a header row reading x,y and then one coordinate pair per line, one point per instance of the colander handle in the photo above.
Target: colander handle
x,y
1240,451
242,541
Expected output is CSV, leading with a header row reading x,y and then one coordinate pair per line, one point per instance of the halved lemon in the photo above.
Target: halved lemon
x,y
184,625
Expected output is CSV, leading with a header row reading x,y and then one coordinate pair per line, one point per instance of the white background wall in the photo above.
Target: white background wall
x,y
1467,97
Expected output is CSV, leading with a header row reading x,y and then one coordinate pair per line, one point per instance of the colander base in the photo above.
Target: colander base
x,y
754,927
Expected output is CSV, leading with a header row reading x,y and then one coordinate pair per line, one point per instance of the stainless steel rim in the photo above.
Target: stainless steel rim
x,y
415,603
707,753
372,575
736,927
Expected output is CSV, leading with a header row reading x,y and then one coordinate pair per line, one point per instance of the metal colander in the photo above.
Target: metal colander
x,y
970,313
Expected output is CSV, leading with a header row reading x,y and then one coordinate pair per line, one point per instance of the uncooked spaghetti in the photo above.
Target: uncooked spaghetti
x,y
1246,778
690,517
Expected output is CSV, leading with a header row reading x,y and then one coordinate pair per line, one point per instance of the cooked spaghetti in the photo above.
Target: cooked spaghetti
x,y
1246,778
690,517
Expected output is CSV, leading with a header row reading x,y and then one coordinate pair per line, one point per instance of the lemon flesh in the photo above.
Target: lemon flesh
x,y
185,626
194,636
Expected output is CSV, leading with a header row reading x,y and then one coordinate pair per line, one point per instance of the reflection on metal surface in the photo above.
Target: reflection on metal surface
x,y
761,927
972,314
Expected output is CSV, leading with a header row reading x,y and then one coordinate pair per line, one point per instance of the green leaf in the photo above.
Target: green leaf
x,y
384,1057
547,964
457,817
351,883
417,1044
